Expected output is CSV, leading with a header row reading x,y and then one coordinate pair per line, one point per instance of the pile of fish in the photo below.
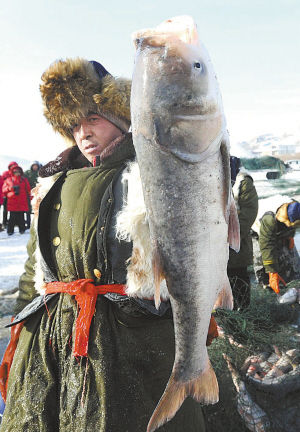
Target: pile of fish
x,y
268,386
180,137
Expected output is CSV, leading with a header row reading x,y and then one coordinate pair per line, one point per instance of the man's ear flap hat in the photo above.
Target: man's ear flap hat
x,y
74,88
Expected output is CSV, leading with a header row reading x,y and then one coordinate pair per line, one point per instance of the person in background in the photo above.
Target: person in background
x,y
5,175
280,259
32,173
32,176
89,357
1,201
16,188
246,200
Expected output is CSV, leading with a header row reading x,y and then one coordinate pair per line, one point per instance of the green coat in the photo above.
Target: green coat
x,y
247,207
131,351
32,177
273,235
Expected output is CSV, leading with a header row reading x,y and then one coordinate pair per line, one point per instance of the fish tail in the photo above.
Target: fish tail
x,y
225,299
203,389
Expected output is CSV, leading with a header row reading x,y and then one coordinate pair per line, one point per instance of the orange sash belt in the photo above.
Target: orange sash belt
x,y
85,293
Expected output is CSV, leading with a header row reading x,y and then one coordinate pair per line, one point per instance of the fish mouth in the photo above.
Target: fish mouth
x,y
201,108
182,29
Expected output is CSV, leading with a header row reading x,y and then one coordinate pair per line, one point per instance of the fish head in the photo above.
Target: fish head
x,y
175,94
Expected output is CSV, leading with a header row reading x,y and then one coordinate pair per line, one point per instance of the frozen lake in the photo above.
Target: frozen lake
x,y
271,194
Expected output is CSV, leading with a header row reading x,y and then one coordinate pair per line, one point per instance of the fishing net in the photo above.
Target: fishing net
x,y
259,328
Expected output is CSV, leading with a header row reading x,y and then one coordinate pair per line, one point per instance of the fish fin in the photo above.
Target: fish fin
x,y
158,277
203,389
225,299
233,228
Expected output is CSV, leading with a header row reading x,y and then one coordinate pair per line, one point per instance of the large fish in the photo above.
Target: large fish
x,y
181,143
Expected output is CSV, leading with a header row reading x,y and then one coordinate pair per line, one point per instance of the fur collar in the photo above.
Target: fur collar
x,y
133,225
71,158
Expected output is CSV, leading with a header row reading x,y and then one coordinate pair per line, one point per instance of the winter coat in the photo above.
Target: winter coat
x,y
275,232
8,173
131,344
32,175
1,193
247,206
17,202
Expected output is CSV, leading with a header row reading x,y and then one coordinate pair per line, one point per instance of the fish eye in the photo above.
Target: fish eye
x,y
198,65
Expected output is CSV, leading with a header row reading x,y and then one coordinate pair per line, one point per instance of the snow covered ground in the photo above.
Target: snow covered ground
x,y
13,255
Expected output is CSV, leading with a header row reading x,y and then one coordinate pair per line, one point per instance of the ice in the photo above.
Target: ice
x,y
13,255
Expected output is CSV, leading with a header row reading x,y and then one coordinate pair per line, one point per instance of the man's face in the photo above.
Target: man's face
x,y
93,134
34,167
16,173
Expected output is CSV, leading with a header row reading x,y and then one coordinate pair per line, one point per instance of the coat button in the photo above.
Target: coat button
x,y
56,241
56,206
97,273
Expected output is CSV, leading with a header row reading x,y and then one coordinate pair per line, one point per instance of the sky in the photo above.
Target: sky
x,y
254,46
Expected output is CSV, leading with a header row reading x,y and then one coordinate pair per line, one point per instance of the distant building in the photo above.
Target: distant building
x,y
271,145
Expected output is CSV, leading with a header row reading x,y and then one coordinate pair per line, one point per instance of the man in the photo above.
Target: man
x,y
1,201
99,360
246,199
280,259
16,189
32,173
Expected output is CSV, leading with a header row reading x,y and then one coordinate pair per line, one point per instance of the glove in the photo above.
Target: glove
x,y
212,331
8,357
291,243
274,279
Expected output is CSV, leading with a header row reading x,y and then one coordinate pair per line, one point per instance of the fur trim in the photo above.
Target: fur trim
x,y
132,225
114,101
71,158
71,89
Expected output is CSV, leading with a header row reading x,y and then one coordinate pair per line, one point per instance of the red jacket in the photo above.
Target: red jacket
x,y
1,193
17,202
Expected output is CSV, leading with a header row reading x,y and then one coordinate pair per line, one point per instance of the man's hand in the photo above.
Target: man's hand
x,y
274,280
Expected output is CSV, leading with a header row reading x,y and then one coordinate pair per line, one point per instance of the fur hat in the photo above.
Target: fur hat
x,y
73,88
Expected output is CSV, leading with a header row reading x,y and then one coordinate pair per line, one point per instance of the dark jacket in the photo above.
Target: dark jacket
x,y
275,231
247,207
31,175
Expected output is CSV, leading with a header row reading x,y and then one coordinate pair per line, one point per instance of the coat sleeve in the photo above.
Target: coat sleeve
x,y
248,206
267,243
247,211
6,188
27,290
